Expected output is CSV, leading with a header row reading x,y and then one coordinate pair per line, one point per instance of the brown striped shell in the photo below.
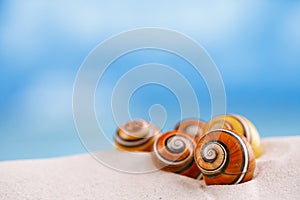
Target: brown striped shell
x,y
174,152
225,157
239,125
136,135
192,127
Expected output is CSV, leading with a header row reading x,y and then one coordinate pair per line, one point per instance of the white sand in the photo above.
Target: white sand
x,y
82,177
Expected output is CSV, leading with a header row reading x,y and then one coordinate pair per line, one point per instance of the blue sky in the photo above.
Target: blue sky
x,y
255,44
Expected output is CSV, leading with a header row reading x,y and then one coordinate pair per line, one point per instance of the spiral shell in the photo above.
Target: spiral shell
x,y
174,152
192,127
136,135
239,125
225,157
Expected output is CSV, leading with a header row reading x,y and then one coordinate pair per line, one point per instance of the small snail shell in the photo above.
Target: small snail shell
x,y
192,127
136,135
239,125
225,157
174,152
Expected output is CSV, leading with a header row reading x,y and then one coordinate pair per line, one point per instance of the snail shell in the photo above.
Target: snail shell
x,y
192,127
136,135
225,157
239,125
174,152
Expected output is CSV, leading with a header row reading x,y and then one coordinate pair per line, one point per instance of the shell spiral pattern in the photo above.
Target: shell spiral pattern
x,y
136,135
240,125
225,158
174,152
192,127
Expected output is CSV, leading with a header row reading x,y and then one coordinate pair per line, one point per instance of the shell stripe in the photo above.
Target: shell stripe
x,y
138,141
135,138
245,126
245,160
167,161
221,169
185,168
131,143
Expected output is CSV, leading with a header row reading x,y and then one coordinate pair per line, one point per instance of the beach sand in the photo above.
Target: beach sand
x,y
277,176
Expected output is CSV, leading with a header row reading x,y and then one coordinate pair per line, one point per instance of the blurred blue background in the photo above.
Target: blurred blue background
x,y
255,44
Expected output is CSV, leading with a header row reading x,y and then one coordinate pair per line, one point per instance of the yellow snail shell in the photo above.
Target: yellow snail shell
x,y
239,125
136,135
174,152
192,127
225,157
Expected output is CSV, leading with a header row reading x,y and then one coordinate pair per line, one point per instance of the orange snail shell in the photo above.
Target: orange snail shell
x,y
225,157
239,125
136,135
174,152
192,127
